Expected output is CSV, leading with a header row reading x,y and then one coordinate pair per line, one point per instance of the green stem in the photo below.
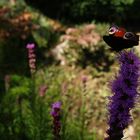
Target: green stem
x,y
82,112
33,104
40,119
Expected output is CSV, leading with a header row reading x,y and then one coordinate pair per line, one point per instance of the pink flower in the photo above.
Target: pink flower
x,y
32,57
84,78
30,46
42,90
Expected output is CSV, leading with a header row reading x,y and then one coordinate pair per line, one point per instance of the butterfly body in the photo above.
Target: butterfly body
x,y
119,39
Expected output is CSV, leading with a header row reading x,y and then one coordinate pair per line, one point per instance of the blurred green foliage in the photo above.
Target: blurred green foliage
x,y
18,119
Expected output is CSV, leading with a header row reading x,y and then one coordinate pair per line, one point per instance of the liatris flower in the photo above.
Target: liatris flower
x,y
42,90
55,112
84,79
32,57
124,89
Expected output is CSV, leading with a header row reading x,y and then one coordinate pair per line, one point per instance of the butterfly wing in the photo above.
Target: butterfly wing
x,y
115,43
118,43
113,29
120,32
118,39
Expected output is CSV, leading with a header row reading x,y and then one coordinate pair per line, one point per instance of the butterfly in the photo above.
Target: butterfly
x,y
118,38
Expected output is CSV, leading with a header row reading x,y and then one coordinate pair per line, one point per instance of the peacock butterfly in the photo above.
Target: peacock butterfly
x,y
119,39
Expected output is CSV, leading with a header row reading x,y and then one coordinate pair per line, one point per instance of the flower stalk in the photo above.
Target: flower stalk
x,y
32,57
55,112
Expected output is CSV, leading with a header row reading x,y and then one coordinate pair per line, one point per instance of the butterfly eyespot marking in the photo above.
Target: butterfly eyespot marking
x,y
112,30
128,35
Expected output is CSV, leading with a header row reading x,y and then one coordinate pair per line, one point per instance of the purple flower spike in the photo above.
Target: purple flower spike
x,y
31,57
56,105
55,112
124,89
30,46
55,108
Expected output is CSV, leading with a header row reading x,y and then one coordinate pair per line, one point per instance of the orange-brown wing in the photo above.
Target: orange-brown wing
x,y
120,32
